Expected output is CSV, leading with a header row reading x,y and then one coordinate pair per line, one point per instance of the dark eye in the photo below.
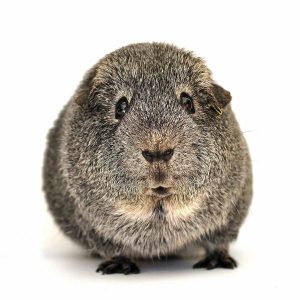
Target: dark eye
x,y
121,108
186,102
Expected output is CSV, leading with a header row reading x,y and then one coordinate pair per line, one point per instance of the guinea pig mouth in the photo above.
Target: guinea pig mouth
x,y
161,191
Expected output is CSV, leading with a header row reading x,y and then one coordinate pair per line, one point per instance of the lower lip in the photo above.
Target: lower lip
x,y
160,195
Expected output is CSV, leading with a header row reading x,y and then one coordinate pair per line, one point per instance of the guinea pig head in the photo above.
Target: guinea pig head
x,y
153,114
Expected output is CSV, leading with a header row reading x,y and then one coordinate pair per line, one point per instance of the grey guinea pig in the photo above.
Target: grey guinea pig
x,y
147,160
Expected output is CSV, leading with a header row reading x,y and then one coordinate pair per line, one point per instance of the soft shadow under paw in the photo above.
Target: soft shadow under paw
x,y
119,264
216,260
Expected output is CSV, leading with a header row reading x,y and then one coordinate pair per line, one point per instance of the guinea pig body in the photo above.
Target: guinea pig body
x,y
147,159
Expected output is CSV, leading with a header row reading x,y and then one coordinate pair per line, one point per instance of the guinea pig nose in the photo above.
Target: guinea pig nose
x,y
152,156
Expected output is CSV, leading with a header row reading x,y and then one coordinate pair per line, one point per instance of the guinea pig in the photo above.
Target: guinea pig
x,y
147,160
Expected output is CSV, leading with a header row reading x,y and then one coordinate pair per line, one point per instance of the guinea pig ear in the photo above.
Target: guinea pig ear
x,y
85,90
221,98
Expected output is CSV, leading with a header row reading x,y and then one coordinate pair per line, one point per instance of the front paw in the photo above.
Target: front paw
x,y
118,264
217,259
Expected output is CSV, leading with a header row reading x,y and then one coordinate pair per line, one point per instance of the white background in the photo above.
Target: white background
x,y
252,49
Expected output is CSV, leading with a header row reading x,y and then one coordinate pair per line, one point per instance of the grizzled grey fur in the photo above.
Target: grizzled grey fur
x,y
99,185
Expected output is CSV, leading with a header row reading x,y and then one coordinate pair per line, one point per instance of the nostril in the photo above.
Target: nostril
x,y
149,156
168,154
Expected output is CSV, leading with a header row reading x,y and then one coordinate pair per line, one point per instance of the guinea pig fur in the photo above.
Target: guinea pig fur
x,y
147,160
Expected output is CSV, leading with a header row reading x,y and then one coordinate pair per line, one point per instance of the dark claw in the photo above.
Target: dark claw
x,y
216,259
118,264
